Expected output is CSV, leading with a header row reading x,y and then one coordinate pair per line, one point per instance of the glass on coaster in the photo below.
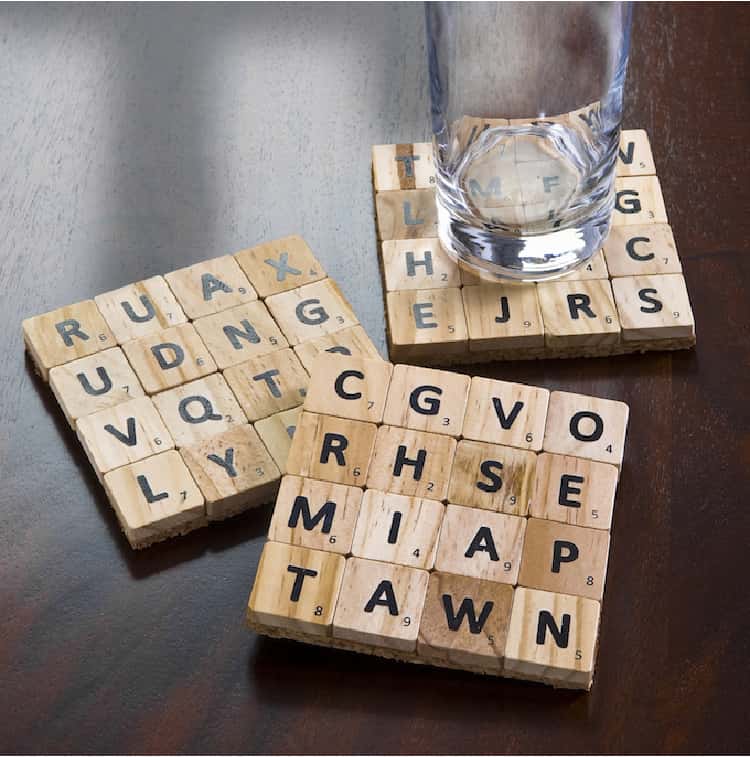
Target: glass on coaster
x,y
526,110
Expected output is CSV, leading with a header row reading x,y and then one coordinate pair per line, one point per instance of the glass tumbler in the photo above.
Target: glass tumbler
x,y
526,109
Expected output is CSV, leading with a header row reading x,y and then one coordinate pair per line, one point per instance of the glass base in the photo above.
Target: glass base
x,y
537,257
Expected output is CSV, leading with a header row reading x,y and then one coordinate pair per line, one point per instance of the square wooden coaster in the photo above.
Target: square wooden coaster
x,y
438,313
402,538
223,348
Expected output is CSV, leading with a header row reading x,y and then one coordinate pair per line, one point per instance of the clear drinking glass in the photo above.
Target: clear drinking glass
x,y
526,110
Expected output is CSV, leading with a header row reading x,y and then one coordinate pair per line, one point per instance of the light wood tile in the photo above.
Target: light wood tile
x,y
414,463
312,311
503,315
579,314
492,477
123,434
240,334
634,157
315,514
331,449
65,334
280,265
595,268
406,214
574,491
351,341
380,604
211,286
403,166
296,589
552,637
585,426
654,307
268,384
199,409
425,399
155,498
418,264
480,544
233,470
638,200
641,250
94,383
465,621
277,431
349,387
169,358
394,528
140,309
506,413
426,323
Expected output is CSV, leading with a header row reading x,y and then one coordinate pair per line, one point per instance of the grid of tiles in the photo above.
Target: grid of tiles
x,y
631,297
442,519
184,389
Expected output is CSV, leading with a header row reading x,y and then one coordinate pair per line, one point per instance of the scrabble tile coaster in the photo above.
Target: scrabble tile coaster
x,y
630,297
435,518
185,389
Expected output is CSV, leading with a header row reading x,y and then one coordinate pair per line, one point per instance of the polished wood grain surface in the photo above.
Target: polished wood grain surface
x,y
138,139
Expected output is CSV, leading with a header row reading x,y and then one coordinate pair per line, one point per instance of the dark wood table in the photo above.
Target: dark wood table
x,y
134,140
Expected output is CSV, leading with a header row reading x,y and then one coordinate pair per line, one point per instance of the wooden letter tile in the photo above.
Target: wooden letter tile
x,y
312,311
349,387
140,309
502,316
65,334
406,214
641,250
634,157
211,286
398,529
296,589
481,544
573,490
380,604
654,307
234,470
200,409
564,559
552,637
123,434
315,514
240,334
465,622
492,477
155,498
405,166
280,265
409,462
169,358
268,384
426,323
638,200
425,399
277,432
331,449
351,341
585,426
418,264
579,314
505,413
94,383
